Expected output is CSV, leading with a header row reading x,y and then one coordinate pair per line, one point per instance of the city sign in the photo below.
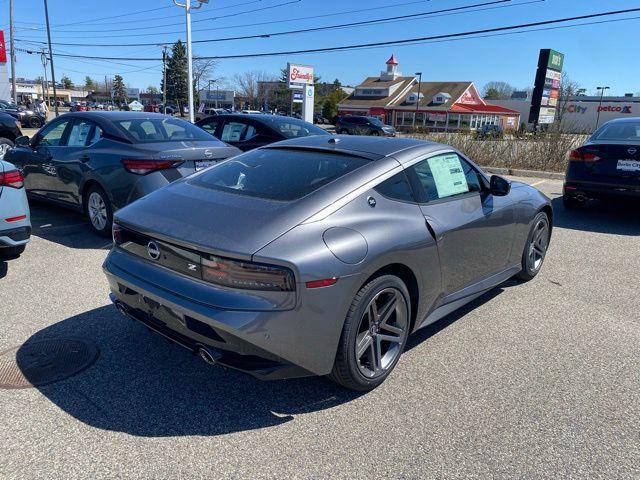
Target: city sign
x,y
546,91
299,75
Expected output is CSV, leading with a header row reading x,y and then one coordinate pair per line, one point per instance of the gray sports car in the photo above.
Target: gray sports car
x,y
319,256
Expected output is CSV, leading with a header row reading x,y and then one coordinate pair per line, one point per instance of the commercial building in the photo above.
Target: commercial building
x,y
32,89
406,103
580,112
218,98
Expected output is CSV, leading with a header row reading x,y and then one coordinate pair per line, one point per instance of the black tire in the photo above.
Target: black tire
x,y
346,370
375,133
571,203
101,228
12,251
531,261
35,122
4,143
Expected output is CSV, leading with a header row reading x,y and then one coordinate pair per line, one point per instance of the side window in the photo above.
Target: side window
x,y
250,132
97,135
79,133
210,127
233,132
397,188
52,135
447,175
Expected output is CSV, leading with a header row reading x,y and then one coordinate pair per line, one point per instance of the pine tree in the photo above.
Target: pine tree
x,y
89,84
177,80
119,90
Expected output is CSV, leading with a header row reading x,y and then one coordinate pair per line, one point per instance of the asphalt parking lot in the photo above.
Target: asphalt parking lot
x,y
536,380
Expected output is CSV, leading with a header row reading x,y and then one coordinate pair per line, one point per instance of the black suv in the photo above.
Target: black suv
x,y
489,132
361,125
9,131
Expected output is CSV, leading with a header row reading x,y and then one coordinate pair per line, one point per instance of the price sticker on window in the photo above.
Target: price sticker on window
x,y
448,175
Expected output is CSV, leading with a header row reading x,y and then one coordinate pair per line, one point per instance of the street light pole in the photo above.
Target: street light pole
x,y
602,89
415,118
12,54
164,80
53,73
187,8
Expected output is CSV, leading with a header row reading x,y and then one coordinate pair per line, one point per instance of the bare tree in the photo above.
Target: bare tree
x,y
497,91
202,71
568,89
248,85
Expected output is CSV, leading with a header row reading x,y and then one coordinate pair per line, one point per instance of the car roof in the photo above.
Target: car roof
x,y
372,147
118,115
625,120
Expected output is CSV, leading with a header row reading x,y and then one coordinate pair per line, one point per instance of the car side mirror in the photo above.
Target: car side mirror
x,y
499,186
23,141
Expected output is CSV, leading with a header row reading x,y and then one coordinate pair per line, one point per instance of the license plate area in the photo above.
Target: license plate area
x,y
202,164
628,166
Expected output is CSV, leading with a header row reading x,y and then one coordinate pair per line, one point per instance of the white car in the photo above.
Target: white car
x,y
15,218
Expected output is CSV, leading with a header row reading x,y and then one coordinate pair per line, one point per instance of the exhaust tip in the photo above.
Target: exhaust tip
x,y
206,355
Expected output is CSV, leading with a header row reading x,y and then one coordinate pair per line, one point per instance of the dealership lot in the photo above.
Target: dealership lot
x,y
535,380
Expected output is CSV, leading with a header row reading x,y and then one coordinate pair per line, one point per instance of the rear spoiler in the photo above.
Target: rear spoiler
x,y
329,150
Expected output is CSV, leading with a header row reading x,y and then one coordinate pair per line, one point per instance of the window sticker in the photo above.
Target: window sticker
x,y
448,175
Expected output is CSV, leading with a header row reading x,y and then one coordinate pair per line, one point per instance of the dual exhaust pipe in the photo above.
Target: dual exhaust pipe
x,y
208,355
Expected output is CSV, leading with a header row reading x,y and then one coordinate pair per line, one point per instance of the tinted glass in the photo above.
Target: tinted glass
x,y
624,131
292,128
397,188
375,121
234,131
79,134
149,130
276,174
52,135
210,127
447,175
97,135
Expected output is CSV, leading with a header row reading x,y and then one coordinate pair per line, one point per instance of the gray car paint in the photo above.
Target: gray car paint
x,y
474,243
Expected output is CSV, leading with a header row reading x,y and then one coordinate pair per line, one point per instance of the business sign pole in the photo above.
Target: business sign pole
x,y
5,93
301,78
546,91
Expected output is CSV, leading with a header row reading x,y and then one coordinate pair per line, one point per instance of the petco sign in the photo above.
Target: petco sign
x,y
299,75
618,109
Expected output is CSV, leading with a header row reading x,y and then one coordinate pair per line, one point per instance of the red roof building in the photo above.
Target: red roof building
x,y
406,103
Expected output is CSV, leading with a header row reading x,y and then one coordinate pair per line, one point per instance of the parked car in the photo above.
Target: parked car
x,y
98,162
27,118
249,131
489,132
361,125
15,220
606,166
320,255
208,112
320,119
79,107
251,112
9,131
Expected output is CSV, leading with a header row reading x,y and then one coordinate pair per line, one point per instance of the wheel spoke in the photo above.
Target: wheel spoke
x,y
373,312
388,309
378,354
388,338
363,344
391,328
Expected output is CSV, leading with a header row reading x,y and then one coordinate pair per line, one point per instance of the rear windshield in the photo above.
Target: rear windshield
x,y
292,128
150,130
623,131
276,174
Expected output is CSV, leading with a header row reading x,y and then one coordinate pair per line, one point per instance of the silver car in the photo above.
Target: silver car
x,y
15,220
319,256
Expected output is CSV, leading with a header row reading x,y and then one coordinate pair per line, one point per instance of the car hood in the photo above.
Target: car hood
x,y
209,220
187,150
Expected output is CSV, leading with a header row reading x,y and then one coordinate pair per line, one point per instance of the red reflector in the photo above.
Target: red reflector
x,y
15,219
569,187
327,282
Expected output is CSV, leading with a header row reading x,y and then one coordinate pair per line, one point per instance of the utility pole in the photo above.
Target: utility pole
x,y
53,73
43,57
12,55
415,118
187,8
164,80
602,89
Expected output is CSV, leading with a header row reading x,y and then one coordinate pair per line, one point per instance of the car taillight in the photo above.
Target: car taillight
x,y
578,156
12,178
246,275
144,167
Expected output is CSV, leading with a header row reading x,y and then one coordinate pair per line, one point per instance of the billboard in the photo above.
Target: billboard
x,y
3,48
546,90
299,75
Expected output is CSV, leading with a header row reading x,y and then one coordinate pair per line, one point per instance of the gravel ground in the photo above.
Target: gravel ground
x,y
536,380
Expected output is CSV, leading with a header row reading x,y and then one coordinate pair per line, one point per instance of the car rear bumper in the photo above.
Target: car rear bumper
x,y
14,237
268,344
601,189
15,218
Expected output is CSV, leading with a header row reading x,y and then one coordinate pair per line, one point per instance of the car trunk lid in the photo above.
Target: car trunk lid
x,y
615,160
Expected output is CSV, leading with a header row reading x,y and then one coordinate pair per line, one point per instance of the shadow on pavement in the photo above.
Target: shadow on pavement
x,y
614,217
63,226
144,385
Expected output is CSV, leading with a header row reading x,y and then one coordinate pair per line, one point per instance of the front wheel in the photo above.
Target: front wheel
x,y
35,122
535,250
99,211
374,334
5,146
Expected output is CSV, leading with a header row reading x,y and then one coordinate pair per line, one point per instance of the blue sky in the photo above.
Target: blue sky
x,y
595,54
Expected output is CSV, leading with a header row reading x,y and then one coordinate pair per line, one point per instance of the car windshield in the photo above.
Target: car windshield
x,y
620,131
278,174
292,128
149,130
375,121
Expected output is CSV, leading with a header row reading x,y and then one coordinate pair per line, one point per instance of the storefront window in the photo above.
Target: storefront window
x,y
452,124
420,119
465,122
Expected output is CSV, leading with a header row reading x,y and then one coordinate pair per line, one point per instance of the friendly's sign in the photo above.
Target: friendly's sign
x,y
299,75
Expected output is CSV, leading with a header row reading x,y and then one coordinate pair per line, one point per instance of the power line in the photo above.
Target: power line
x,y
412,16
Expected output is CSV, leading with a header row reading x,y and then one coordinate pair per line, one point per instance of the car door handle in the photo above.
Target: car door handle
x,y
84,158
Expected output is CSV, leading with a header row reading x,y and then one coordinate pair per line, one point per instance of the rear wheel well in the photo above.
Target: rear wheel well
x,y
405,274
549,211
85,188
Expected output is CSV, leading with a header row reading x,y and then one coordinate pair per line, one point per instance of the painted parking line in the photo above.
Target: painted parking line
x,y
538,183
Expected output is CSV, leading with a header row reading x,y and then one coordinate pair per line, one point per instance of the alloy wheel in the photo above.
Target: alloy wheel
x,y
539,244
97,211
4,148
381,333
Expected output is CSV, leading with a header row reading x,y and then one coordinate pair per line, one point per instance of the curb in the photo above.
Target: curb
x,y
524,173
